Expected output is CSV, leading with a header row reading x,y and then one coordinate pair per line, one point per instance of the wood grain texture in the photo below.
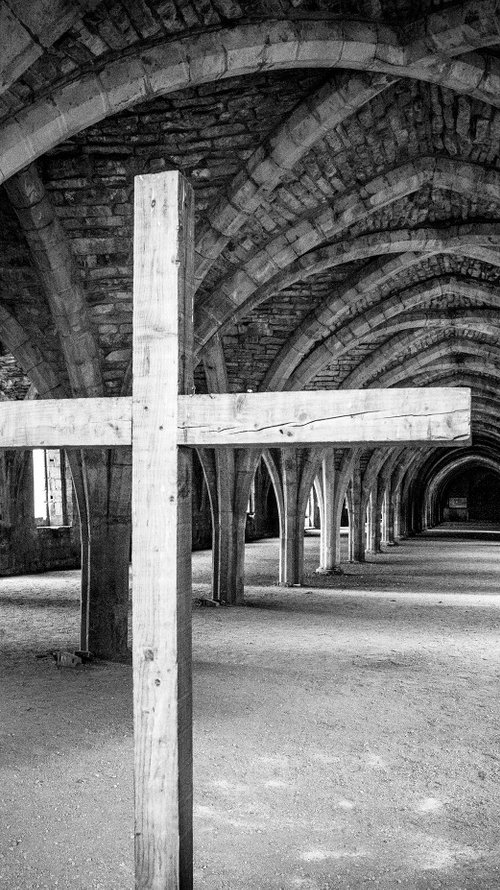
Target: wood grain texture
x,y
162,714
185,539
366,416
59,423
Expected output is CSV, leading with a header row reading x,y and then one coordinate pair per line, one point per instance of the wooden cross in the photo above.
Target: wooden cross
x,y
156,420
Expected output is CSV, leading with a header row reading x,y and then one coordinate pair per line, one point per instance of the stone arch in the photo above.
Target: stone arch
x,y
271,163
444,376
277,485
373,373
420,472
245,291
368,490
431,490
472,371
329,220
389,319
361,289
29,357
159,67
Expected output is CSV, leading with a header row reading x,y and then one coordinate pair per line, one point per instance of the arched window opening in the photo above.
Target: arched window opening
x,y
313,511
344,518
51,488
262,508
201,507
272,513
251,501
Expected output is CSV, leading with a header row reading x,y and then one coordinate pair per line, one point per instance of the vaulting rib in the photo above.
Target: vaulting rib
x,y
398,359
464,28
318,324
272,162
469,371
349,337
166,67
28,29
214,363
265,270
60,280
29,356
396,305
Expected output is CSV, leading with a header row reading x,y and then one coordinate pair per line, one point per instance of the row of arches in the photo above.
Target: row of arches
x,y
360,502
373,192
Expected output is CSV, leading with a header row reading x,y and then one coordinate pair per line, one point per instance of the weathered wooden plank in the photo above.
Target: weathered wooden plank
x,y
162,699
185,541
370,417
366,416
59,423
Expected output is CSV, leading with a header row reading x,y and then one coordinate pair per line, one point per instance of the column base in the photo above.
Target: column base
x,y
335,570
207,601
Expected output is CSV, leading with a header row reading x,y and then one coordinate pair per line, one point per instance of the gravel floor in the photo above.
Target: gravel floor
x,y
346,733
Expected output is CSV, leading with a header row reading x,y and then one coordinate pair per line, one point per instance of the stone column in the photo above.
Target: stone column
x,y
292,535
367,509
330,520
106,564
403,523
235,472
338,506
384,514
19,544
224,532
391,518
379,531
357,532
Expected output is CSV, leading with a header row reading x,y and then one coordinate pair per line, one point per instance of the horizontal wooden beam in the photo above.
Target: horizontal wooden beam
x,y
341,417
66,423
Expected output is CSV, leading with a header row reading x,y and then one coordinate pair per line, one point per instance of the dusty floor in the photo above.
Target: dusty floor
x,y
346,734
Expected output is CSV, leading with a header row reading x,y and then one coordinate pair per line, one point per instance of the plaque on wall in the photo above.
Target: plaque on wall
x,y
457,503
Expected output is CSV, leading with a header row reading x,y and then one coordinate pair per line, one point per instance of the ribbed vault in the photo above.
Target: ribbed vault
x,y
346,165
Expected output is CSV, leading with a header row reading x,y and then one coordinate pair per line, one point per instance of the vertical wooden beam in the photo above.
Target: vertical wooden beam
x,y
163,243
185,204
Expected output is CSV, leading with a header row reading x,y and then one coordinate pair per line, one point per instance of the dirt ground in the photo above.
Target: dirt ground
x,y
346,733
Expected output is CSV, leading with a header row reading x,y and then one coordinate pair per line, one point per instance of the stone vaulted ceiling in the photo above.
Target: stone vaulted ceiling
x,y
345,156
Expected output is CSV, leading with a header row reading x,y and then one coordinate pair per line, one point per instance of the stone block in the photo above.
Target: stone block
x,y
320,43
18,50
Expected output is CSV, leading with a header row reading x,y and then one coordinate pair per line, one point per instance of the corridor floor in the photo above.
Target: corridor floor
x,y
346,733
